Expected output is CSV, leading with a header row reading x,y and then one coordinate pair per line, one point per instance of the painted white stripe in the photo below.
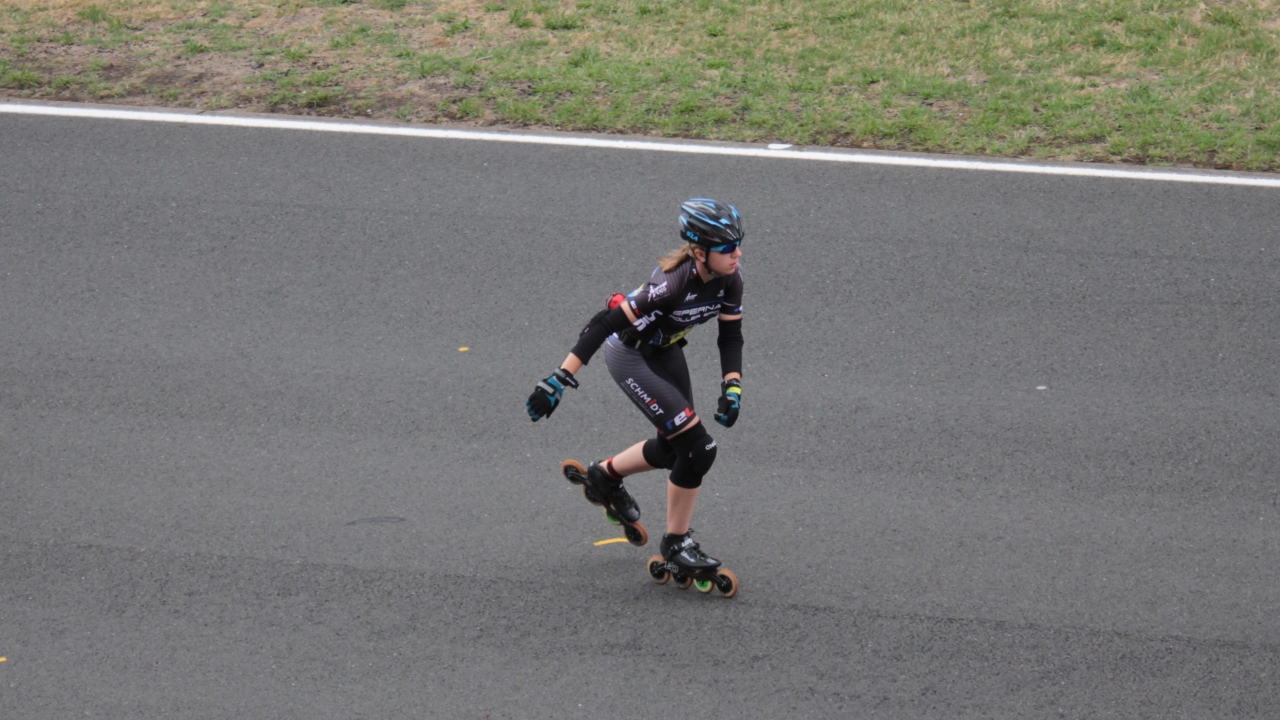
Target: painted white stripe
x,y
840,156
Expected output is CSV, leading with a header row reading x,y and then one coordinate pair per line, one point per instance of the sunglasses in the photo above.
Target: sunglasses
x,y
727,248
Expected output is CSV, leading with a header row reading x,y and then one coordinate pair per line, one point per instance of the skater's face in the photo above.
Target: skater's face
x,y
725,262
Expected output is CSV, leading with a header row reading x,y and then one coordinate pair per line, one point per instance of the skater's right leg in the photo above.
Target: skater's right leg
x,y
605,479
605,486
631,461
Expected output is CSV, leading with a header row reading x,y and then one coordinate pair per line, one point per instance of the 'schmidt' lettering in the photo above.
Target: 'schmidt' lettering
x,y
649,402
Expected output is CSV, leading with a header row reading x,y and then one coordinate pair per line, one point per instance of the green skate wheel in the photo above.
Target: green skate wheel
x,y
611,517
704,586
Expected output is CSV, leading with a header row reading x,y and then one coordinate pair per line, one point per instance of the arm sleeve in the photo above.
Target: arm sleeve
x,y
730,342
600,328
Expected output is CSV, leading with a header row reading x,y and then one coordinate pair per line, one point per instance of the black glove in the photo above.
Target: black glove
x,y
730,402
546,396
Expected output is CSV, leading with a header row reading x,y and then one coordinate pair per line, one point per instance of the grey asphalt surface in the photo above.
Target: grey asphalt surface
x,y
247,471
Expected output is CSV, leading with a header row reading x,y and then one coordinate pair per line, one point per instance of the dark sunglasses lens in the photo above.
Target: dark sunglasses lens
x,y
727,248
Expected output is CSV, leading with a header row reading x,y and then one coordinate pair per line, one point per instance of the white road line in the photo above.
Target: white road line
x,y
840,156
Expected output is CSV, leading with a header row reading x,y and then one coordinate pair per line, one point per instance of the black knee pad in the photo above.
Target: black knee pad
x,y
659,453
695,454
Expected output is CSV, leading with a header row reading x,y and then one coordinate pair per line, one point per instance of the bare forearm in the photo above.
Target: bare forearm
x,y
572,364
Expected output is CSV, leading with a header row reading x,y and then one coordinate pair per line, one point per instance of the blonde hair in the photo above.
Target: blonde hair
x,y
675,258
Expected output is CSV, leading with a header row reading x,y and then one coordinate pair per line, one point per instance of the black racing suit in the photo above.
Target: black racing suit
x,y
645,357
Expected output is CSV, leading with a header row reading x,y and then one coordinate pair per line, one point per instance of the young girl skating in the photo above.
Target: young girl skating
x,y
643,335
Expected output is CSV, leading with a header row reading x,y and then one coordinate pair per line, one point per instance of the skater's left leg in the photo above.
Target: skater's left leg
x,y
676,545
680,502
695,453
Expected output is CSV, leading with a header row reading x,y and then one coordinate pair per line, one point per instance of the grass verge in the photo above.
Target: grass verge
x,y
1145,81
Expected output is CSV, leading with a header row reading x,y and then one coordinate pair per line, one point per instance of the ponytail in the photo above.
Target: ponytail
x,y
676,257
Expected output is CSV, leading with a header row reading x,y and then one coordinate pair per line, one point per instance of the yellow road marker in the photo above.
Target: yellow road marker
x,y
463,349
3,659
610,540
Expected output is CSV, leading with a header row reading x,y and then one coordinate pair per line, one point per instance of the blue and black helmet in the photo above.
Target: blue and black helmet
x,y
709,223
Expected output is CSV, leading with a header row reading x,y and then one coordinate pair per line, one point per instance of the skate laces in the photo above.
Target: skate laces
x,y
618,493
686,544
691,546
605,480
622,493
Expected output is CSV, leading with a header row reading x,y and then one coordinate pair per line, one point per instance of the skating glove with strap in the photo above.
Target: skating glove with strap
x,y
546,396
730,402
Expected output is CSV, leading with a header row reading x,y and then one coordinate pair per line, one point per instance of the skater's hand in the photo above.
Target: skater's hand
x,y
730,402
546,396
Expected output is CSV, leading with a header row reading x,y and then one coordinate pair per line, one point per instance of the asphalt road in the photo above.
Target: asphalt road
x,y
1008,446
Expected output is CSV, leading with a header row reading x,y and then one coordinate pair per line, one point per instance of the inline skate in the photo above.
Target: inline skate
x,y
599,489
683,560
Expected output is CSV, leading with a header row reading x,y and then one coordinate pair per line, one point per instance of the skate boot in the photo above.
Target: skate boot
x,y
611,494
683,559
600,489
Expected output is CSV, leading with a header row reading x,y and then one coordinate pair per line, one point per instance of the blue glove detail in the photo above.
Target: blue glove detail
x,y
730,403
546,396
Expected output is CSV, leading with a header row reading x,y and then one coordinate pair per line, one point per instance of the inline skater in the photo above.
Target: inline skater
x,y
643,335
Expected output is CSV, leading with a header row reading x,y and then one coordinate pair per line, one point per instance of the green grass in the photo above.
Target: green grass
x,y
1154,81
94,14
562,21
297,54
520,18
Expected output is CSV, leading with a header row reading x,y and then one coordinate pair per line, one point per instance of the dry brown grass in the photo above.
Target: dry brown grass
x,y
153,65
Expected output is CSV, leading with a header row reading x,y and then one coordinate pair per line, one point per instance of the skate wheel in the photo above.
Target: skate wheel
x,y
683,581
608,515
704,586
573,471
586,493
637,535
657,572
726,583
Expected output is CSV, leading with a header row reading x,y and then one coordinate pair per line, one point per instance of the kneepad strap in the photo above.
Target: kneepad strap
x,y
695,451
659,453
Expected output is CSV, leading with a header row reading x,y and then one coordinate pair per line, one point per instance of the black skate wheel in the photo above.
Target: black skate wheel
x,y
636,535
704,586
586,493
657,570
573,471
683,581
726,583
